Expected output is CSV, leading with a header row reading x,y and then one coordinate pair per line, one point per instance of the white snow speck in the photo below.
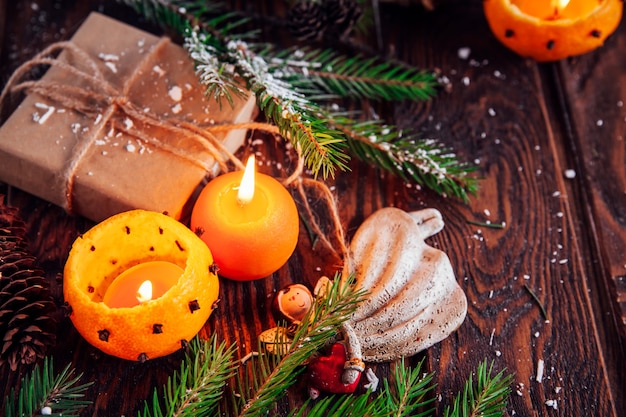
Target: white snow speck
x,y
158,70
539,376
111,66
551,403
42,119
570,174
108,57
176,93
464,52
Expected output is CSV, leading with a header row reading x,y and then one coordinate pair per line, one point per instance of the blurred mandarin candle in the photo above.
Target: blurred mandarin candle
x,y
249,221
553,29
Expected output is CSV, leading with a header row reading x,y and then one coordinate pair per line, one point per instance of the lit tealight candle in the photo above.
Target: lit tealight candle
x,y
554,29
249,221
142,283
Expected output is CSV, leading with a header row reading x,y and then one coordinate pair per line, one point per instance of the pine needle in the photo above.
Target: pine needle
x,y
41,388
352,76
486,398
408,393
198,387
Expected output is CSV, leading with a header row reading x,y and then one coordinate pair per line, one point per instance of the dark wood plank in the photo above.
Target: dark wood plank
x,y
596,96
593,100
523,186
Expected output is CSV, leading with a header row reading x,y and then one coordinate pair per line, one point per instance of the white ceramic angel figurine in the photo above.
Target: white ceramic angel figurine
x,y
414,300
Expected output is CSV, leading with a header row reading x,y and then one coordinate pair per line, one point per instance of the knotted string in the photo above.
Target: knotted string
x,y
103,95
100,95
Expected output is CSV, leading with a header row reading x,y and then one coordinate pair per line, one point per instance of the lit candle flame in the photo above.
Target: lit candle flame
x,y
246,188
559,5
144,293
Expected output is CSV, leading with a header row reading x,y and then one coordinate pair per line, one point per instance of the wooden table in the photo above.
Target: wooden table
x,y
525,124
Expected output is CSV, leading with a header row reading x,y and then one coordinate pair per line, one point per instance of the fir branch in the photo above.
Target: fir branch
x,y
340,405
292,87
277,372
486,399
423,161
405,394
217,76
181,15
408,392
352,76
291,111
197,389
41,389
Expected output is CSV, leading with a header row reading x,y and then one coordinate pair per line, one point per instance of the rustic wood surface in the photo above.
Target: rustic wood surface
x,y
523,123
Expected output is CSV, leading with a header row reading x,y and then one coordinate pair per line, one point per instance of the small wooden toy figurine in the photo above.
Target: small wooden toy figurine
x,y
292,303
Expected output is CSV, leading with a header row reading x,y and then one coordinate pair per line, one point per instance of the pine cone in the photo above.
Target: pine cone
x,y
307,20
27,329
341,16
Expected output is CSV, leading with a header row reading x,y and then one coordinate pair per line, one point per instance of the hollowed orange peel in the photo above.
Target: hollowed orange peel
x,y
155,328
545,39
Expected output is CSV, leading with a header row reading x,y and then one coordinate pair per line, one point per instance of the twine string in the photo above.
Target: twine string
x,y
102,98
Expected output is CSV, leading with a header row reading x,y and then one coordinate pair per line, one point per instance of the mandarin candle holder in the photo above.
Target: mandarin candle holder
x,y
154,327
555,29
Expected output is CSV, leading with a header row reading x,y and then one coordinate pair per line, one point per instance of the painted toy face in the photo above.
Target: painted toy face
x,y
294,301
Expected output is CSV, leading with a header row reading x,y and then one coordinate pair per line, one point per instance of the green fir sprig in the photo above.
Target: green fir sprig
x,y
43,392
198,388
274,373
297,88
351,76
209,375
425,162
486,397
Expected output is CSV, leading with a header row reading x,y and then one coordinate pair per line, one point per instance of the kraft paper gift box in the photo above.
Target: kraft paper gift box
x,y
127,162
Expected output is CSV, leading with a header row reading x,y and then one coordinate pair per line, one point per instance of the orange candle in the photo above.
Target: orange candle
x,y
249,221
552,29
142,283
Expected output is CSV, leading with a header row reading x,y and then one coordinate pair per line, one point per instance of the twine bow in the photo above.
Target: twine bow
x,y
100,97
110,105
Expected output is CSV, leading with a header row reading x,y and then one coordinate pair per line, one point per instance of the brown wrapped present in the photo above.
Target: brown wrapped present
x,y
118,122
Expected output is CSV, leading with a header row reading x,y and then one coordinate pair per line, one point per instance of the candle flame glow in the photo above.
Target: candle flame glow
x,y
144,293
559,5
246,188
